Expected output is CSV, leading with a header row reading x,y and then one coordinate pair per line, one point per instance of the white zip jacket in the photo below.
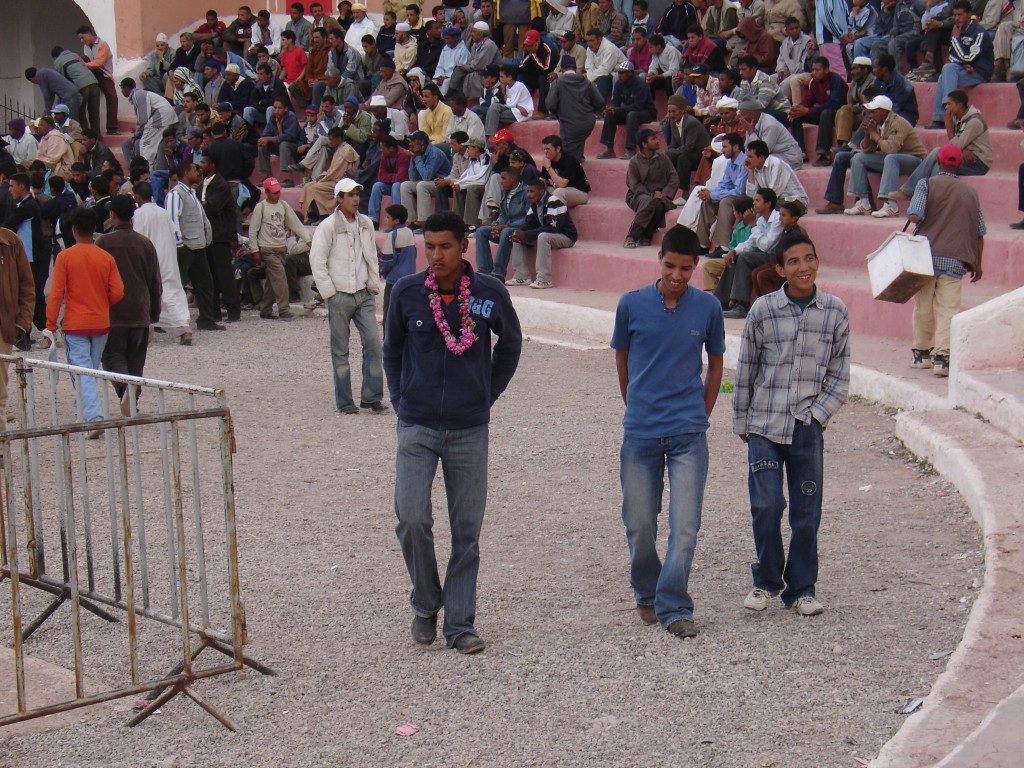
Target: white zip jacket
x,y
332,256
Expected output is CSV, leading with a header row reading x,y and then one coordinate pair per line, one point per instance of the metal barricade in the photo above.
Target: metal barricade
x,y
133,515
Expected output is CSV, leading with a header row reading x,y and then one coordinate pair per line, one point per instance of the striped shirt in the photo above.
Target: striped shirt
x,y
793,365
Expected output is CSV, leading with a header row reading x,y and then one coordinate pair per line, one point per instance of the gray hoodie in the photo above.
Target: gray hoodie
x,y
576,102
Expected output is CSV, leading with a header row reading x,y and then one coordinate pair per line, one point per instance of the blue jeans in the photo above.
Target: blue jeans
x,y
463,455
381,188
358,307
953,76
604,86
927,169
837,181
626,6
642,463
86,352
484,263
891,165
802,461
159,181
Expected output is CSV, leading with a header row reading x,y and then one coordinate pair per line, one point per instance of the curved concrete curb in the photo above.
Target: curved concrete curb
x,y
987,467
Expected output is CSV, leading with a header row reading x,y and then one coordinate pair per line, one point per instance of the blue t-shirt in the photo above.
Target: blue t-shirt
x,y
665,394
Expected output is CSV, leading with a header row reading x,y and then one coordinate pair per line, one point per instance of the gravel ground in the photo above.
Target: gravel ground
x,y
570,676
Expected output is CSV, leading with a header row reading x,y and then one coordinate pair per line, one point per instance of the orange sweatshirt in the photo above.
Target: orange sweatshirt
x,y
86,279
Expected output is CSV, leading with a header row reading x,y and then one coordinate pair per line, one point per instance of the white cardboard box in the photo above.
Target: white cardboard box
x,y
900,267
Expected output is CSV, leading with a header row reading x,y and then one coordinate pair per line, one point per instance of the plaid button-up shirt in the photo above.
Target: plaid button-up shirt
x,y
793,365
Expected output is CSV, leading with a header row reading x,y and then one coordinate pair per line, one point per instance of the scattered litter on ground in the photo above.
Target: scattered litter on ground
x,y
407,730
910,705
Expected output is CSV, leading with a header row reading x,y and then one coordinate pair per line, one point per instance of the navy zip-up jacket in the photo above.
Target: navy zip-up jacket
x,y
549,216
429,385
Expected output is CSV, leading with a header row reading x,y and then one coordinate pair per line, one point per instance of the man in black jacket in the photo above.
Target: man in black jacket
x,y
219,203
261,103
548,226
130,318
26,221
443,380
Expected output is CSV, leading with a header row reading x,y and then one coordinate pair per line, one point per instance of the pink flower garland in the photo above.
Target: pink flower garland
x,y
468,335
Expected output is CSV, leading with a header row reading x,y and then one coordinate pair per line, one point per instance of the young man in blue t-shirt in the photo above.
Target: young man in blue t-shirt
x,y
660,332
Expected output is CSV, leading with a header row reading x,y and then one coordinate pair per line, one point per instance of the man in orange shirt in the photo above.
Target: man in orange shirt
x,y
85,279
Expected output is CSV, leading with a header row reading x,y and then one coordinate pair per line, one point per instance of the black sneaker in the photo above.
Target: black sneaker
x,y
349,410
424,629
376,407
468,643
922,358
210,327
940,365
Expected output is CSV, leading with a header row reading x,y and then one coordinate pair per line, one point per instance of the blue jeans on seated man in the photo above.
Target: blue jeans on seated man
x,y
892,166
642,464
929,167
953,76
484,262
463,456
796,575
380,189
834,193
360,308
86,352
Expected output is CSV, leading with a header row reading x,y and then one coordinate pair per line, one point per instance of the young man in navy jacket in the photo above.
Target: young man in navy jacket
x,y
444,377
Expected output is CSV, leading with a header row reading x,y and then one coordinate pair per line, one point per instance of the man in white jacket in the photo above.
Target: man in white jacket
x,y
153,222
767,170
343,258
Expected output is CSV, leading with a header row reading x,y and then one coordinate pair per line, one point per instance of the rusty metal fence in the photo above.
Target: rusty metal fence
x,y
129,517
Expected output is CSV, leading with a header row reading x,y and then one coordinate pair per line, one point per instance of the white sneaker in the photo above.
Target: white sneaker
x,y
807,606
861,208
887,210
758,599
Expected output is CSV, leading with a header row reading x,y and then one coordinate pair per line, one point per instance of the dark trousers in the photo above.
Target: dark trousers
x,y
195,269
40,272
110,95
125,352
797,130
685,163
650,215
737,281
826,131
632,120
225,289
90,111
387,303
1020,187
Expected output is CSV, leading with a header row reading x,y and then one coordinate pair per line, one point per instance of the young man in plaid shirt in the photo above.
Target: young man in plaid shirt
x,y
792,378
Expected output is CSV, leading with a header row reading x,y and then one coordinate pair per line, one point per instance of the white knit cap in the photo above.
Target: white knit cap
x,y
482,26
403,26
727,102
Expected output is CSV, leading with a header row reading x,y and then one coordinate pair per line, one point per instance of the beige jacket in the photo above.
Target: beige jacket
x,y
896,135
332,255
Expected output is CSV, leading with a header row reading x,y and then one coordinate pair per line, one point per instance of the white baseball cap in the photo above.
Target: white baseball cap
x,y
346,185
880,102
862,61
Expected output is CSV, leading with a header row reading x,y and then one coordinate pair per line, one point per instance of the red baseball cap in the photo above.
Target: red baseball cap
x,y
533,36
950,154
271,184
503,135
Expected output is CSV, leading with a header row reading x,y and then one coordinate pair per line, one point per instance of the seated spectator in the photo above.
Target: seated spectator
x,y
463,119
734,42
237,90
186,54
20,143
569,47
860,24
769,277
483,54
794,58
765,127
836,126
612,22
157,66
564,174
293,58
281,137
379,109
392,172
757,44
827,91
665,63
632,106
575,102
896,25
651,183
512,209
491,92
362,26
386,34
775,14
677,18
685,140
301,90
454,53
267,90
967,129
357,123
514,103
719,17
708,92
372,58
434,120
420,193
894,86
713,264
735,285
318,196
640,54
762,88
398,252
714,204
212,29
890,145
642,19
548,226
559,20
765,170
392,86
405,48
602,60
298,25
468,188
538,61
264,32
971,59
700,50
